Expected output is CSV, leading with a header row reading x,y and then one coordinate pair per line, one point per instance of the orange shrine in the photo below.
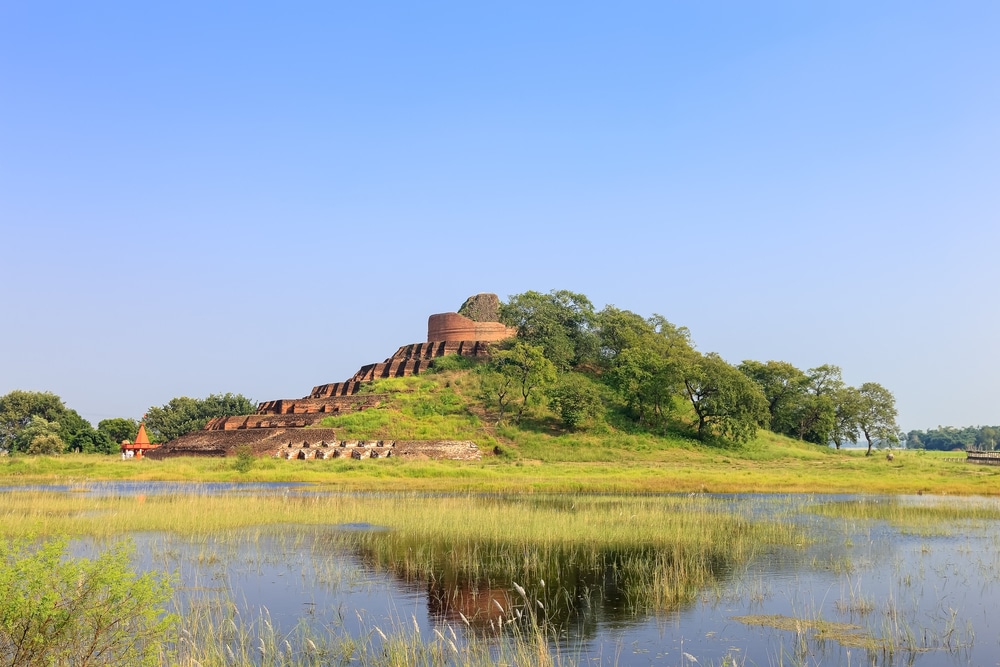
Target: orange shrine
x,y
138,446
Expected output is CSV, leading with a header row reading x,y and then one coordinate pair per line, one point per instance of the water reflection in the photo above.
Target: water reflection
x,y
97,489
916,594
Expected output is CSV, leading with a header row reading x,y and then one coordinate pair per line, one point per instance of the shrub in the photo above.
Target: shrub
x,y
56,610
48,444
577,399
452,362
244,459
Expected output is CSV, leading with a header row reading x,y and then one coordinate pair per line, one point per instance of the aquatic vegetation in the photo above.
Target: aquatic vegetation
x,y
539,579
923,515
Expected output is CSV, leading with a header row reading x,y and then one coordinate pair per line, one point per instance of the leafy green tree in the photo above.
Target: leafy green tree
x,y
814,411
528,369
986,438
560,322
92,441
942,438
495,389
40,436
727,403
847,407
619,330
71,424
783,385
183,414
647,380
59,610
118,429
17,409
646,367
876,418
577,399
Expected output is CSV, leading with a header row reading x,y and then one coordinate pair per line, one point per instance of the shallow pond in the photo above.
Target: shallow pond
x,y
876,582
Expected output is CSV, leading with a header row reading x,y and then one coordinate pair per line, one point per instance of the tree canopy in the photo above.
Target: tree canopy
x,y
948,438
119,429
876,416
655,378
560,323
727,403
517,370
184,414
37,422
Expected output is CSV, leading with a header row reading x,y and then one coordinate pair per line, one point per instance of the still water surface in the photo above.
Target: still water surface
x,y
934,591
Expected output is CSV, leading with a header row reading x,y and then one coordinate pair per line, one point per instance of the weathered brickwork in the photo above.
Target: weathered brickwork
x,y
452,326
274,428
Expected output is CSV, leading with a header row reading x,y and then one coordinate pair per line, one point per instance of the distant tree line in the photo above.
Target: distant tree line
x,y
38,422
947,438
583,363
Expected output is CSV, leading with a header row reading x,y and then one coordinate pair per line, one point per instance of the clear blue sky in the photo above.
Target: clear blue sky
x,y
201,197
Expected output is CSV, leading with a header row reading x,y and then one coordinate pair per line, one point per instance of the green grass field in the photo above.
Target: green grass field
x,y
540,456
768,465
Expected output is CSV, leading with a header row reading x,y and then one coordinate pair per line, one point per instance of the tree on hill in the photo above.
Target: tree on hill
x,y
727,403
560,322
847,402
876,417
619,330
783,385
815,409
645,361
651,367
517,369
183,414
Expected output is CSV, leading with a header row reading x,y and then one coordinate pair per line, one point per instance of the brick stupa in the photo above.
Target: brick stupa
x,y
279,427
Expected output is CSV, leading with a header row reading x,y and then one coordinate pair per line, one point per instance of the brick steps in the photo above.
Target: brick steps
x,y
277,425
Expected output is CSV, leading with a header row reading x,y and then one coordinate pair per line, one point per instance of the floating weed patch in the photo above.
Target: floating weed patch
x,y
890,638
848,634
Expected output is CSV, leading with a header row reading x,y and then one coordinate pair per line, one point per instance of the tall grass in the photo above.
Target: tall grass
x,y
924,516
214,633
572,552
661,548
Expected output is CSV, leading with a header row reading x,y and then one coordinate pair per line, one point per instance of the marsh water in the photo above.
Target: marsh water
x,y
857,591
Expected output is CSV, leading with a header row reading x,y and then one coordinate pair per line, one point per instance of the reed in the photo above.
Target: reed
x,y
924,516
660,551
214,634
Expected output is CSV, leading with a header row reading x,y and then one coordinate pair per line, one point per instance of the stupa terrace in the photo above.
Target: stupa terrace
x,y
281,427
